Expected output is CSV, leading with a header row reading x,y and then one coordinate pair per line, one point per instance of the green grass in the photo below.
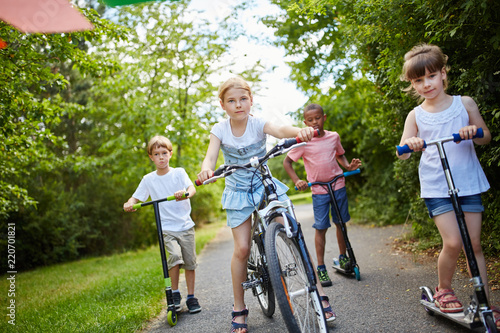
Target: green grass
x,y
118,293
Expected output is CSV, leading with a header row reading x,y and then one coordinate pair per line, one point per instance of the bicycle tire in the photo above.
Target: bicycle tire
x,y
298,300
257,271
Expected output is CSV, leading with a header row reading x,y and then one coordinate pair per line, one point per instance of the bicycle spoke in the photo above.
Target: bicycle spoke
x,y
298,300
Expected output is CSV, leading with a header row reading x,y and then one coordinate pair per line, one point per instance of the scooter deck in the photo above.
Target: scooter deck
x,y
341,270
458,317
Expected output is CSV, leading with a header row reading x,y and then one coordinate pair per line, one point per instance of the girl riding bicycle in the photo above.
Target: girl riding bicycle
x,y
241,137
440,114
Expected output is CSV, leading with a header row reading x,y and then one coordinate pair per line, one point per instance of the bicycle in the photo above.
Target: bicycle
x,y
171,312
478,313
352,266
284,255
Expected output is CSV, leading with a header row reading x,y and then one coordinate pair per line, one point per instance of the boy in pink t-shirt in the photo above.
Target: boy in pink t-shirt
x,y
322,156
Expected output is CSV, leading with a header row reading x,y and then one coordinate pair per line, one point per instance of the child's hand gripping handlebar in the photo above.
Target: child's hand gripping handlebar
x,y
170,198
345,174
283,146
455,137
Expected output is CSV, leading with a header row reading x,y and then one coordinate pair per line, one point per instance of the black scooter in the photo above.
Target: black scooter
x,y
171,313
478,313
352,267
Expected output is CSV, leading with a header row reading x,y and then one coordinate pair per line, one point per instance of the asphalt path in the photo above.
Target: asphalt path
x,y
385,299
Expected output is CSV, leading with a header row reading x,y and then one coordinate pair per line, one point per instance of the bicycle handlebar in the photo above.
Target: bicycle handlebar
x,y
283,146
170,198
455,137
345,174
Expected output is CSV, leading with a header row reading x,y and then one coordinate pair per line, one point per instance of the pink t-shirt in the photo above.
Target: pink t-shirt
x,y
320,160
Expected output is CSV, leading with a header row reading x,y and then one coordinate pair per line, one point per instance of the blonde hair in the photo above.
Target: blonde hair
x,y
235,82
159,141
420,58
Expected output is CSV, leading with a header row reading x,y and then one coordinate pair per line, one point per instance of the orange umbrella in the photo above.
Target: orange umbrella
x,y
43,16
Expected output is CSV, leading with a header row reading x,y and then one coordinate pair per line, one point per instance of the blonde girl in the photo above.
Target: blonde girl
x,y
241,136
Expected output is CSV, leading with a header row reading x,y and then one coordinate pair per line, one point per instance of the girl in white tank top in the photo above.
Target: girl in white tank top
x,y
441,115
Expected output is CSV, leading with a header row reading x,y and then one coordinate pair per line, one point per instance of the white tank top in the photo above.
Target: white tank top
x,y
466,171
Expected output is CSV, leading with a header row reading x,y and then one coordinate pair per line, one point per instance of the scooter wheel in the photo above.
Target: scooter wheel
x,y
356,273
171,318
491,327
426,298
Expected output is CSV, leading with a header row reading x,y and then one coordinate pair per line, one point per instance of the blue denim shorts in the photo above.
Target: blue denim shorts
x,y
322,206
438,206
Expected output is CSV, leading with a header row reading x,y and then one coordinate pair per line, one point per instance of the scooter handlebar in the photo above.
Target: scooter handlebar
x,y
456,138
169,198
346,174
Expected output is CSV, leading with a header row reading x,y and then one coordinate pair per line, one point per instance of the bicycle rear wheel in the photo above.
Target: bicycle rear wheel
x,y
297,298
261,286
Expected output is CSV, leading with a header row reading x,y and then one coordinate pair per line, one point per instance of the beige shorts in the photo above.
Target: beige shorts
x,y
181,248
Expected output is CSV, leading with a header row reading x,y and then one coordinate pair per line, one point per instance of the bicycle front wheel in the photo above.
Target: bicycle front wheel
x,y
297,298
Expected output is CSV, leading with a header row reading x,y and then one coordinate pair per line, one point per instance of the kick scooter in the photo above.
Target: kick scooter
x,y
352,267
478,313
171,313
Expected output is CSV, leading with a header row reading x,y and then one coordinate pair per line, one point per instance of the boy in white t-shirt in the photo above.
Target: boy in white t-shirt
x,y
176,222
322,156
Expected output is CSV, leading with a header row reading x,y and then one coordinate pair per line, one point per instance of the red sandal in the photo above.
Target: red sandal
x,y
496,316
440,301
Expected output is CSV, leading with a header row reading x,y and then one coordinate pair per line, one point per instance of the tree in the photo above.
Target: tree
x,y
374,35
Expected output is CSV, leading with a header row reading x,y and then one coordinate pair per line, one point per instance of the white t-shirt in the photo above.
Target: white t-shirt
x,y
175,215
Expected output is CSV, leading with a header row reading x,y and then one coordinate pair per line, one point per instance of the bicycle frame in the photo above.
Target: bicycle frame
x,y
285,210
275,210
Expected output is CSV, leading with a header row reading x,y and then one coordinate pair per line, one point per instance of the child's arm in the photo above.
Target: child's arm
x,y
179,195
208,165
409,136
287,164
475,121
355,163
127,206
280,132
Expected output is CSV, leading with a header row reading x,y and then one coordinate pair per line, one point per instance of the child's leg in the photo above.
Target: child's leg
x,y
173,273
187,242
340,240
190,278
319,244
321,208
329,314
452,245
241,252
174,259
473,221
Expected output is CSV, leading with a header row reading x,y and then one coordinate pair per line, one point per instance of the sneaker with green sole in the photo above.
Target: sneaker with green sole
x,y
176,297
323,277
344,262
